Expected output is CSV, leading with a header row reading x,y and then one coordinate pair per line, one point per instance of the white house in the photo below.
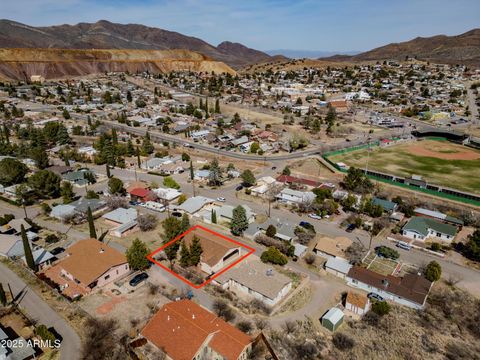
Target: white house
x,y
410,290
290,196
257,280
421,228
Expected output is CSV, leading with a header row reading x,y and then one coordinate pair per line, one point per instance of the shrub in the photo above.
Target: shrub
x,y
170,183
388,252
435,246
274,256
284,246
44,333
223,310
433,271
271,231
51,238
381,308
342,341
310,258
245,326
147,222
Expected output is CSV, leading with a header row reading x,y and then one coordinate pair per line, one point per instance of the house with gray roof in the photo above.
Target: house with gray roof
x,y
11,246
388,206
41,257
285,230
77,208
79,178
121,216
422,228
290,196
257,280
194,204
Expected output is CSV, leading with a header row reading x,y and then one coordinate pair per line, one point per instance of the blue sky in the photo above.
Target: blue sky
x,y
330,25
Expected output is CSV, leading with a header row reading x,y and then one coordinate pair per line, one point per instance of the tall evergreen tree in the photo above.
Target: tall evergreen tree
x,y
185,256
91,224
239,220
217,106
139,162
3,296
195,251
214,216
27,250
107,168
206,108
192,175
185,224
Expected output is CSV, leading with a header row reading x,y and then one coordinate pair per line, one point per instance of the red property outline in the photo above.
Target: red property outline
x,y
150,256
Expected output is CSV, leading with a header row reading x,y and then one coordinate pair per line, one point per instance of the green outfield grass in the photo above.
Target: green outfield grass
x,y
399,160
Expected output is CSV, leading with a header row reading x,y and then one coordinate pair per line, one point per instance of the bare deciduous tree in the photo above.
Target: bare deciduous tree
x,y
147,222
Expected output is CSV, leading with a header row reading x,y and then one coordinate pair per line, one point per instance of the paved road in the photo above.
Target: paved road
x,y
472,105
39,310
315,150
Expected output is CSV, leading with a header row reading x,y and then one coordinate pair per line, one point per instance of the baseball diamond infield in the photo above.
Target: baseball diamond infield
x,y
439,162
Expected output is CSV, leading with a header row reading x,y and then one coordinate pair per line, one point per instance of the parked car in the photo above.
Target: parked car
x,y
57,250
239,187
351,227
315,216
307,225
137,279
404,245
221,199
374,296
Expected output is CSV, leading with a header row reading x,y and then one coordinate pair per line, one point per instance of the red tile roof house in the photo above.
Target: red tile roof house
x,y
287,179
217,252
141,194
89,264
184,330
410,290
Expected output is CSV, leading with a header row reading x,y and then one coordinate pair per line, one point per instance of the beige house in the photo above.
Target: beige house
x,y
89,264
328,247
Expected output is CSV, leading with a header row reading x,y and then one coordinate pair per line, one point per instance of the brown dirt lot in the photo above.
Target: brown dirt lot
x,y
443,150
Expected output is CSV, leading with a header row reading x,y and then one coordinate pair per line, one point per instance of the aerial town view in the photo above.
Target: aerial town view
x,y
166,198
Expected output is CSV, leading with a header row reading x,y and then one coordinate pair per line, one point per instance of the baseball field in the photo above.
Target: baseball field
x,y
439,162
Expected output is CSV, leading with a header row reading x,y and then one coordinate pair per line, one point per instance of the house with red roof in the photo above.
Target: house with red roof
x,y
292,180
184,330
142,194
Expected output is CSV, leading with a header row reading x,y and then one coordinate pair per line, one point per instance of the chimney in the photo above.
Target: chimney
x,y
102,251
193,316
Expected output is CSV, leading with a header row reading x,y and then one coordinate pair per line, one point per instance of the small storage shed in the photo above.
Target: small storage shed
x,y
332,319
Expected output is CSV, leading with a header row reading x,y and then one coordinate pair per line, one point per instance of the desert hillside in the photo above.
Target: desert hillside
x,y
20,64
459,49
107,35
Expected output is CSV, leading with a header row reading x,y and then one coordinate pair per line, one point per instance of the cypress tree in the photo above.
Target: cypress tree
x,y
108,170
195,251
217,106
206,108
91,225
27,250
139,162
192,175
185,223
185,256
3,296
214,217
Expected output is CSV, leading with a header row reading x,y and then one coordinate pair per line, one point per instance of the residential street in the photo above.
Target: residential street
x,y
39,310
